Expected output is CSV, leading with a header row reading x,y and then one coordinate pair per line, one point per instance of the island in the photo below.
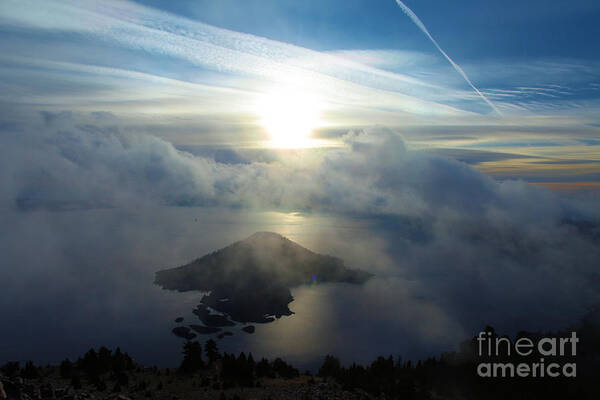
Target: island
x,y
249,281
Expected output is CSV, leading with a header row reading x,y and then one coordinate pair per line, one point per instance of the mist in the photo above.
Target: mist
x,y
91,210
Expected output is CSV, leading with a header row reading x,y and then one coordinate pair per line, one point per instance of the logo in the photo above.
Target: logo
x,y
546,357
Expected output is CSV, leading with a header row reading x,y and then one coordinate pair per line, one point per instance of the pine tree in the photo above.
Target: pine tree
x,y
89,363
212,351
30,371
104,360
331,367
192,357
66,368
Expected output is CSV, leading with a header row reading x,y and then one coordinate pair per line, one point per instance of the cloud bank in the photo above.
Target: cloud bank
x,y
451,248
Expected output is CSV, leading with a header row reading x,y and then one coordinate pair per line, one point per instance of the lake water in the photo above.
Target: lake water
x,y
84,278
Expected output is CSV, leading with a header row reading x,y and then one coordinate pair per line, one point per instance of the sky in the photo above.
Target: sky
x,y
208,70
450,148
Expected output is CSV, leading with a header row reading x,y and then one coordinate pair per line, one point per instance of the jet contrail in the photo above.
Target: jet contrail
x,y
458,69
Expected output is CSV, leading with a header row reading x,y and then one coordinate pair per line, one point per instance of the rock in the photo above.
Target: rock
x,y
249,329
212,320
201,311
47,391
215,320
183,332
31,390
179,320
205,330
117,397
227,333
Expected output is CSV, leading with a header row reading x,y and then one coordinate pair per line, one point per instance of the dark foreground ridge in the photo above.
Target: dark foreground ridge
x,y
250,280
206,373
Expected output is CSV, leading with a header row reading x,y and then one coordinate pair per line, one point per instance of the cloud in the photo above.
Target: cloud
x,y
70,165
128,32
452,249
388,59
89,157
130,59
458,69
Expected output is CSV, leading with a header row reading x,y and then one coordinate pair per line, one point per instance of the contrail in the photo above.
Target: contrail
x,y
458,69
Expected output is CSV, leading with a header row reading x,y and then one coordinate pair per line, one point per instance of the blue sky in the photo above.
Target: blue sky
x,y
474,29
208,69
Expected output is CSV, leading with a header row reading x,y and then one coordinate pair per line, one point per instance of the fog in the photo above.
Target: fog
x,y
91,211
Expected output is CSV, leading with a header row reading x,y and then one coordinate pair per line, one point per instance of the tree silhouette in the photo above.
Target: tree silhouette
x,y
331,367
211,350
104,360
11,368
284,370
121,361
66,368
30,371
192,357
263,369
89,363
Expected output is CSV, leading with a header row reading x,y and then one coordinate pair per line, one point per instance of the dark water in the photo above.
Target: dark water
x,y
77,279
85,278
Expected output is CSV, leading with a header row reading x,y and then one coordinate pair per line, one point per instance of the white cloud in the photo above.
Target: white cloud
x,y
452,249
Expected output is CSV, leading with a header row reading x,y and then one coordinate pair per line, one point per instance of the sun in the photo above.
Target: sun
x,y
289,116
